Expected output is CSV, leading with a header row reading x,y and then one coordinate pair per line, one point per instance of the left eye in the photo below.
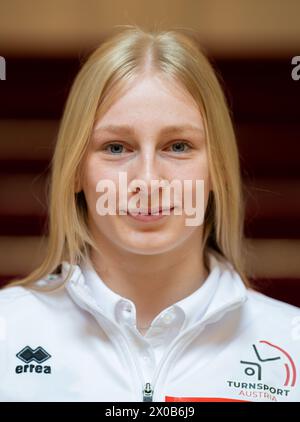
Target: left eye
x,y
179,146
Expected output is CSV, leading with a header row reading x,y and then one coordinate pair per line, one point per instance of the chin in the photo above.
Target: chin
x,y
148,248
149,251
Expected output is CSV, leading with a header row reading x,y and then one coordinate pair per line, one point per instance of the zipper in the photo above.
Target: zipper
x,y
148,392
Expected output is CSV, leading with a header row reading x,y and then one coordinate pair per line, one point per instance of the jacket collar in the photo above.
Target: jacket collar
x,y
229,291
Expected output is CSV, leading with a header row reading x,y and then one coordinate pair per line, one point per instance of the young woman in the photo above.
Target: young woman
x,y
141,304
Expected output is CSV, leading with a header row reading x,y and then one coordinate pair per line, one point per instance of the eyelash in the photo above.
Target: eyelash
x,y
174,143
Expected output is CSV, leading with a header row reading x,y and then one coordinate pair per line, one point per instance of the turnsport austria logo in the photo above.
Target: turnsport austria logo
x,y
266,353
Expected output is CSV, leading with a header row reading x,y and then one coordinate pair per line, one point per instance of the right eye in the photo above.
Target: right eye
x,y
114,148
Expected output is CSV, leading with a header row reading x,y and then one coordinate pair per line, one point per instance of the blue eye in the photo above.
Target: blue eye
x,y
116,148
178,146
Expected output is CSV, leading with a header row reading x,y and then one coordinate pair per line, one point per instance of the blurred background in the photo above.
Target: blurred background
x,y
249,42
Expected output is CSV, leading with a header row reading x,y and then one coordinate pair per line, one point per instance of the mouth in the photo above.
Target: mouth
x,y
150,216
151,212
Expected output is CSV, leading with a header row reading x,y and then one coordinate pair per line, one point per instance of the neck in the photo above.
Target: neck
x,y
151,282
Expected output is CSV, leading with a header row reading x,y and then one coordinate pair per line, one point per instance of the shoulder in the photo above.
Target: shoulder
x,y
277,316
16,296
268,304
10,294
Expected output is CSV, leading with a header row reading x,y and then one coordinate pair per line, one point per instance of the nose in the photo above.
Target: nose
x,y
147,169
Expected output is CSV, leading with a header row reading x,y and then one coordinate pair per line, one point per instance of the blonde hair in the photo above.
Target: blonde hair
x,y
174,53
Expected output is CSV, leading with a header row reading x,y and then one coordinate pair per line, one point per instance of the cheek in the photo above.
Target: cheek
x,y
196,171
94,171
195,196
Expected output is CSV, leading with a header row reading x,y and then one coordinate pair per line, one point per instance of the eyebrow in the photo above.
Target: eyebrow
x,y
167,130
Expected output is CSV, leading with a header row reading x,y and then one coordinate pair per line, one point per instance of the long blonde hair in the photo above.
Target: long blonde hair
x,y
175,53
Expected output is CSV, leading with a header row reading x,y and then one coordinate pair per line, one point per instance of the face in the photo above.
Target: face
x,y
147,149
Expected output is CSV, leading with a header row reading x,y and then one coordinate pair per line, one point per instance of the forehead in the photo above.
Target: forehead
x,y
127,129
151,101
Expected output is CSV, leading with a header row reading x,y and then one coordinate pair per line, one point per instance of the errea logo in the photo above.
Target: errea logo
x,y
38,355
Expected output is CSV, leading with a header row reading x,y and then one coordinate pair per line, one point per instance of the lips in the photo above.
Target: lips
x,y
155,211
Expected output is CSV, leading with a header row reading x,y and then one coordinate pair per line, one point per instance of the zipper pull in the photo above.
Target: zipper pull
x,y
147,392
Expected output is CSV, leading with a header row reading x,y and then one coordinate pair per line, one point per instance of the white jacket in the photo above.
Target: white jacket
x,y
223,343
